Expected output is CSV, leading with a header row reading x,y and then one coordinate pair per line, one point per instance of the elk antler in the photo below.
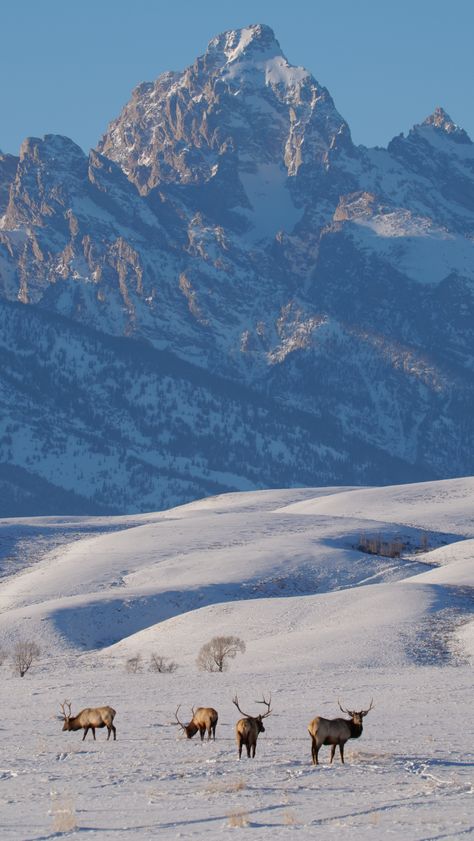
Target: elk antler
x,y
177,719
349,712
267,704
236,702
364,712
63,710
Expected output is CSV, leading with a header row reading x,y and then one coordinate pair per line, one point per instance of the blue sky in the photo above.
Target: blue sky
x,y
68,67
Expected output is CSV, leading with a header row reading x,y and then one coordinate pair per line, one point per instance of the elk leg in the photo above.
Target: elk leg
x,y
202,730
109,730
93,732
341,751
112,727
248,750
333,751
214,732
314,752
85,733
254,748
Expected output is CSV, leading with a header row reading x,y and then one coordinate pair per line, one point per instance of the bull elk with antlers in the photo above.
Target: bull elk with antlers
x,y
204,719
335,731
248,728
89,719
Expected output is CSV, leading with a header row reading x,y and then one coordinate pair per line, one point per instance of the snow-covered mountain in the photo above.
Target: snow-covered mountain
x,y
227,219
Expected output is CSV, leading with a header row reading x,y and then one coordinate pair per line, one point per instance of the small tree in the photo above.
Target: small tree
x,y
24,654
214,656
134,664
158,663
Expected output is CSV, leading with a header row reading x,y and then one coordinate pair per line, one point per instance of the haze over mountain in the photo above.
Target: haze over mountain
x,y
229,294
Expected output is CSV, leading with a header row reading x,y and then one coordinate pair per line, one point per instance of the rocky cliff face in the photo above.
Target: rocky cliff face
x,y
228,219
241,101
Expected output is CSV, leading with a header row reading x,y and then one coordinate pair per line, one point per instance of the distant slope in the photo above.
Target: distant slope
x,y
95,424
198,569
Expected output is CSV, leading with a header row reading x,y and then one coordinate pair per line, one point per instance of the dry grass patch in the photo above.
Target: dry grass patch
x,y
289,817
226,786
63,813
238,818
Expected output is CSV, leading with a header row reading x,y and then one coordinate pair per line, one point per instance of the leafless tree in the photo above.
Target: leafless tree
x,y
214,656
24,654
134,664
158,663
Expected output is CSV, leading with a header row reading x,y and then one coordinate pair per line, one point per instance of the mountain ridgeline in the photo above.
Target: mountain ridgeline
x,y
227,294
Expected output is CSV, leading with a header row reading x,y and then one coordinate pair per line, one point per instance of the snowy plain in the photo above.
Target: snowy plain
x,y
322,620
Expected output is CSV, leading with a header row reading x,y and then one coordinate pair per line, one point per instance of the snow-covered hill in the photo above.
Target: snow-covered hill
x,y
322,619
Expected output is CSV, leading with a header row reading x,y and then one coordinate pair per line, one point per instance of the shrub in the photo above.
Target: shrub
x,y
24,654
375,545
214,656
158,663
134,664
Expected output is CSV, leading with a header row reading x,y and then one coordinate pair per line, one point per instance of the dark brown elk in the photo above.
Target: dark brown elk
x,y
248,728
89,719
335,731
204,719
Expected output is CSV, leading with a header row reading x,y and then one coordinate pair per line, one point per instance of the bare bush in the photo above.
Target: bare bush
x,y
24,655
214,656
424,543
134,664
3,656
158,663
376,545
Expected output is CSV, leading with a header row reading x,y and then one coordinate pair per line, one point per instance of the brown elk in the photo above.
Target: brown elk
x,y
89,719
204,719
335,731
248,728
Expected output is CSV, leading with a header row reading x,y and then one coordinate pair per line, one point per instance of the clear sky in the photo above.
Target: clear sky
x,y
68,66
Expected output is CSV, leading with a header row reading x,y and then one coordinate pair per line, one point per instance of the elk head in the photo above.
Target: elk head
x,y
257,718
191,728
357,716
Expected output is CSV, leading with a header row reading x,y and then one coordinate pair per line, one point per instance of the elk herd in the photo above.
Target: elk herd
x,y
323,731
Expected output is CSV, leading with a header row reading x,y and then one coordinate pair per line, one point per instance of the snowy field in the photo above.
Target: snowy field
x,y
289,572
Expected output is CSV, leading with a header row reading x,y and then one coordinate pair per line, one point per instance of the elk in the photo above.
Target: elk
x,y
204,719
89,719
335,731
248,728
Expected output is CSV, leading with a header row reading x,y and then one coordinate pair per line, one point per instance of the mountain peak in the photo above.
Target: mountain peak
x,y
441,121
255,39
251,58
51,147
